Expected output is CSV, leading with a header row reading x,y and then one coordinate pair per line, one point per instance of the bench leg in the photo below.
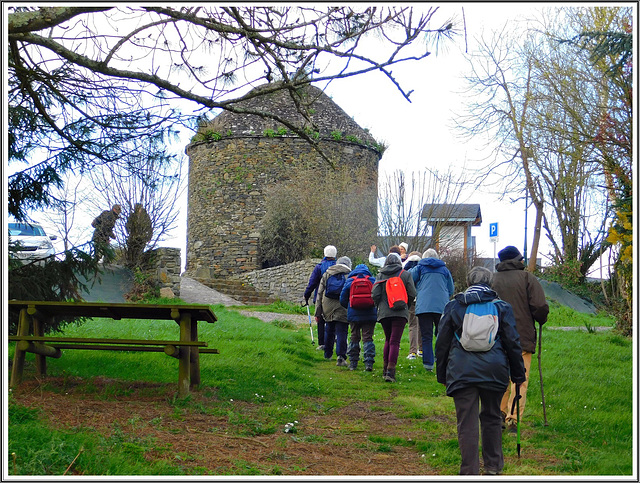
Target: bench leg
x,y
184,365
18,356
195,357
41,360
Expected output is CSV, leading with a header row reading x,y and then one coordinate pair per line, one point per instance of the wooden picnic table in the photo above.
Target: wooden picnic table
x,y
33,315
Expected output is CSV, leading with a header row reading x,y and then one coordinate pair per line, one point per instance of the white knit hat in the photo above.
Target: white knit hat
x,y
330,251
405,246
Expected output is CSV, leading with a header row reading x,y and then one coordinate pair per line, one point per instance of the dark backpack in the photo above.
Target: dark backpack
x,y
360,293
334,286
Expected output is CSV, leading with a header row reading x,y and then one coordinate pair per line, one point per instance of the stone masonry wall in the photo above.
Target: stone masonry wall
x,y
228,180
164,267
286,282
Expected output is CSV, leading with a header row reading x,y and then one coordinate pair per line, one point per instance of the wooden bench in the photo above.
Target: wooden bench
x,y
34,315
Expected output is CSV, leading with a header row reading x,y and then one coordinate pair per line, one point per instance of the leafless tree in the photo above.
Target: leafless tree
x,y
87,82
408,206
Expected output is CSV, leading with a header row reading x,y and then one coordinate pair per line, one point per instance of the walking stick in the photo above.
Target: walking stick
x,y
310,328
544,405
516,402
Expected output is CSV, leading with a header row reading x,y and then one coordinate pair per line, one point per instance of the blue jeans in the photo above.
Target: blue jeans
x,y
335,331
427,321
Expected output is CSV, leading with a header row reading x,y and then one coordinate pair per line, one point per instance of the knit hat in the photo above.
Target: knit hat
x,y
405,246
430,253
509,253
344,261
330,251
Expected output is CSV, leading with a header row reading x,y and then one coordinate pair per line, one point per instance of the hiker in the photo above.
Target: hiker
x,y
329,259
140,231
525,294
392,320
403,251
415,338
336,326
478,377
361,315
104,224
379,262
434,288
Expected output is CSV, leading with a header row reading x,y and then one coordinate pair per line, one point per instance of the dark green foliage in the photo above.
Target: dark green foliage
x,y
51,280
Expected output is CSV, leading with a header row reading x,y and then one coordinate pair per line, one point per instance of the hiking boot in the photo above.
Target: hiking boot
x,y
320,348
512,428
492,472
368,367
390,376
353,366
341,362
412,356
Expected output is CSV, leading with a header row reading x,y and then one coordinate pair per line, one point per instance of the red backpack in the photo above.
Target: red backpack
x,y
360,293
396,292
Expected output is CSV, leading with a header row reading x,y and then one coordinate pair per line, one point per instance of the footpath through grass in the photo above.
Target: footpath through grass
x,y
588,389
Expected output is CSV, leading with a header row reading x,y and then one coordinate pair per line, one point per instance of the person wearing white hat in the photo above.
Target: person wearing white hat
x,y
329,259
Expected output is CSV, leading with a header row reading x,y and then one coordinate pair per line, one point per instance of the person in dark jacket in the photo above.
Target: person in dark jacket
x,y
336,326
362,322
329,259
104,225
434,287
476,379
525,294
392,320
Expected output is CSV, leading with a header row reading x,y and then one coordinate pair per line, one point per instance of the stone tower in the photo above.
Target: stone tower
x,y
243,155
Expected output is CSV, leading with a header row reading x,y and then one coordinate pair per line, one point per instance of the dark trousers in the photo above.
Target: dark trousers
x,y
467,401
362,331
427,321
335,331
393,328
320,324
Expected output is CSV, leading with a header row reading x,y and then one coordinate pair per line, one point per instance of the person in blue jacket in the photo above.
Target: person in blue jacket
x,y
477,380
434,287
362,322
329,259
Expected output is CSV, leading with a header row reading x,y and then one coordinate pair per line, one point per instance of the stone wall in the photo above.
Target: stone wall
x,y
286,282
164,267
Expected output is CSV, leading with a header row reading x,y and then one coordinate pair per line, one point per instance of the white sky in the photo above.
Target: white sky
x,y
419,134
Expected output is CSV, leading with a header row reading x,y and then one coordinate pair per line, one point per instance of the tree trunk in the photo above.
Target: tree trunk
x,y
537,230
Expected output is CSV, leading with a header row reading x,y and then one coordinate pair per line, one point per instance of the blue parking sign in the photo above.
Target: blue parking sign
x,y
493,230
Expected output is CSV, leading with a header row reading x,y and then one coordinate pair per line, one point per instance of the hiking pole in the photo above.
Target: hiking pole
x,y
310,328
544,406
516,403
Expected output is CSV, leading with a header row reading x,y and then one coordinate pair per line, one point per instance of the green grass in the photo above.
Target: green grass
x,y
588,390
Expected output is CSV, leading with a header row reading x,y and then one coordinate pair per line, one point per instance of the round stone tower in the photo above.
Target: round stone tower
x,y
240,156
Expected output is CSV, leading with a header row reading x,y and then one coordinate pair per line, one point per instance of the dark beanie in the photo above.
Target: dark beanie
x,y
509,253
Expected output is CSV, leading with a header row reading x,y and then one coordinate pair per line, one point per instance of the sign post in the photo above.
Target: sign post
x,y
493,236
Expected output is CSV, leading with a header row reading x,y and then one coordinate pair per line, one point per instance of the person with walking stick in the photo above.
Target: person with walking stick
x,y
476,365
523,291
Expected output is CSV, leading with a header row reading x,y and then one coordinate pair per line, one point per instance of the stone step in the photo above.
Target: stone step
x,y
243,292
